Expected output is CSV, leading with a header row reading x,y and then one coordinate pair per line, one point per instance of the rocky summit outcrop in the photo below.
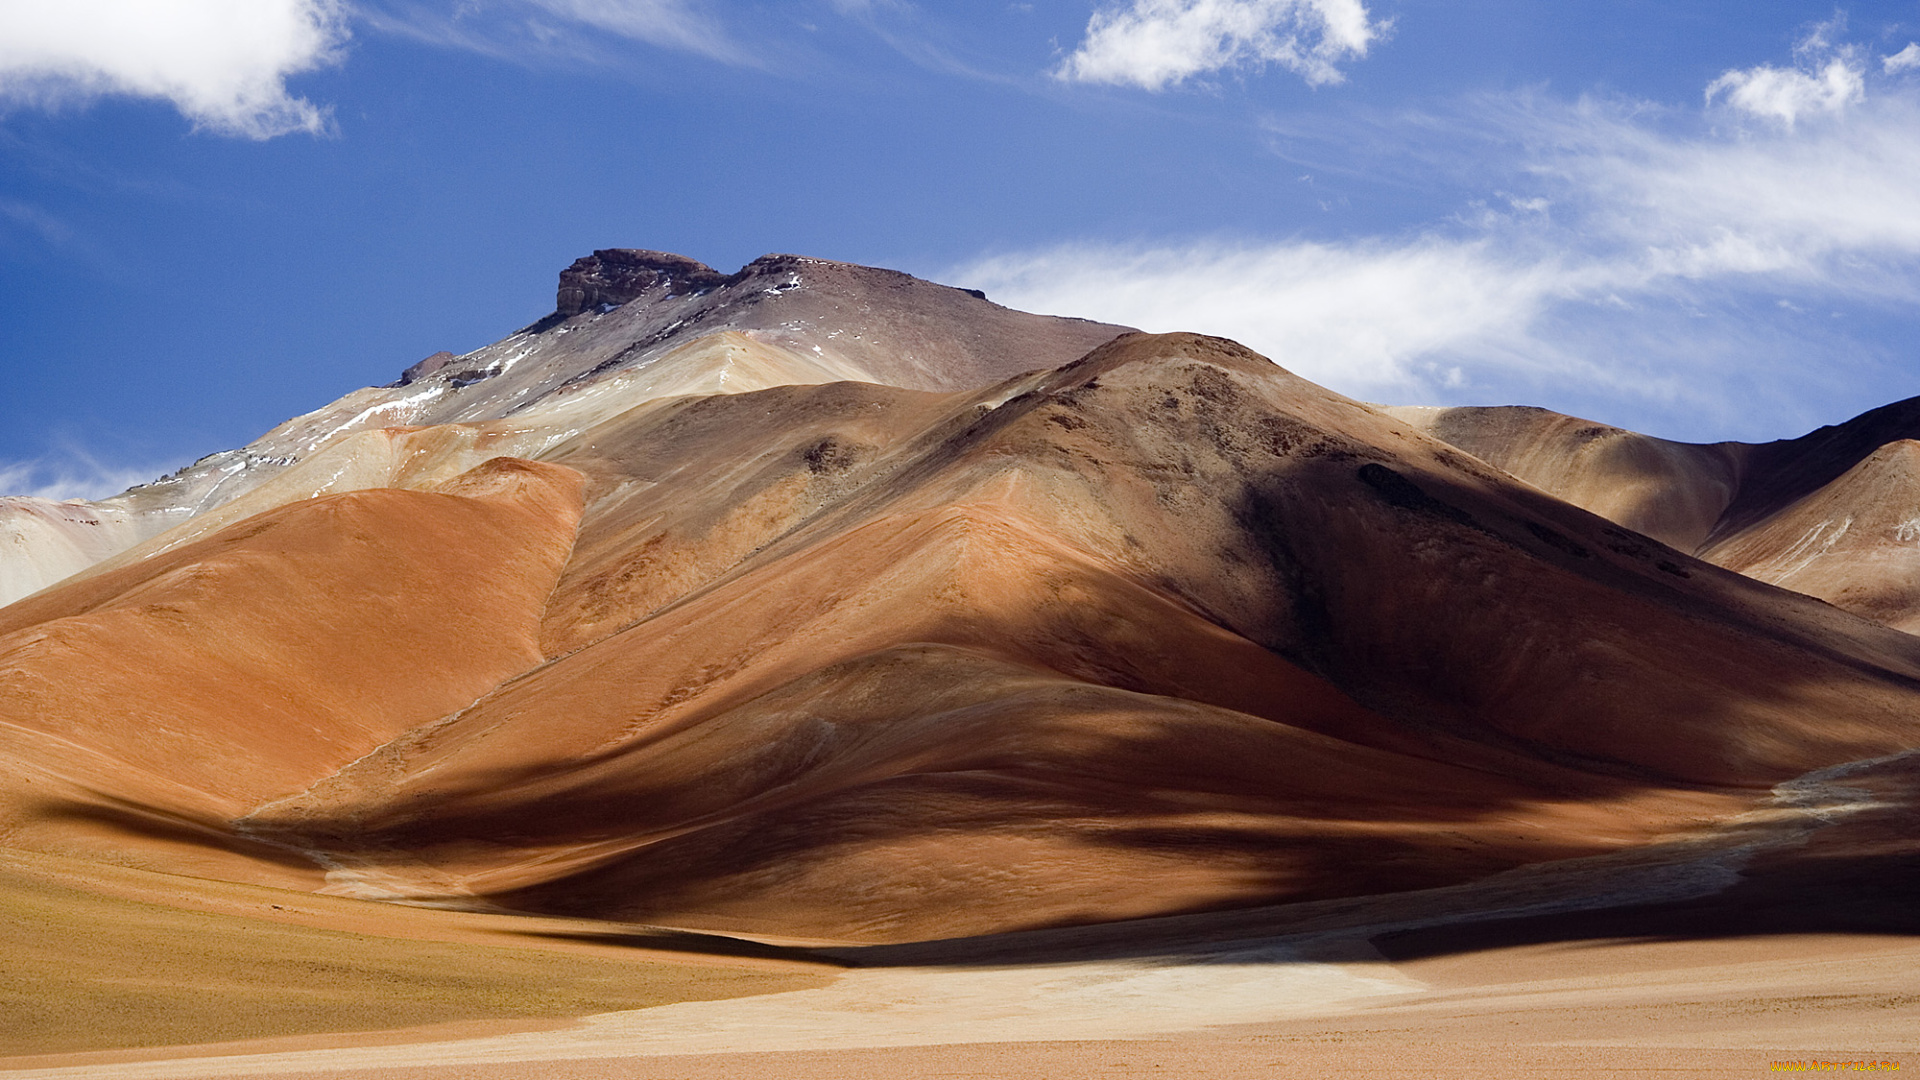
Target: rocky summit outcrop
x,y
615,276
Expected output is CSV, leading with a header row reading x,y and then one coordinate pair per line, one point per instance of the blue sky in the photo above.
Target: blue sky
x,y
1700,220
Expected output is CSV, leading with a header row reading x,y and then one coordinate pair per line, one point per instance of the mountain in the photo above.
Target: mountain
x,y
1831,514
629,327
818,602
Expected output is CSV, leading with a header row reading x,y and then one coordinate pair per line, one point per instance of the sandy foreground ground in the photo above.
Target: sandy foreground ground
x,y
1394,985
1708,1009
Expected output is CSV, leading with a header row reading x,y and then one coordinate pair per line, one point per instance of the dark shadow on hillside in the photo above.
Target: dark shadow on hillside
x,y
1858,875
131,819
663,939
1863,895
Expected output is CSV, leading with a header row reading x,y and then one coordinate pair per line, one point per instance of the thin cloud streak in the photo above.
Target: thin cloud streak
x,y
1371,317
70,473
575,29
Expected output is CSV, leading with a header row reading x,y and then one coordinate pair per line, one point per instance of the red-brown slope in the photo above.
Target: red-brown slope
x,y
1416,578
171,694
680,492
931,791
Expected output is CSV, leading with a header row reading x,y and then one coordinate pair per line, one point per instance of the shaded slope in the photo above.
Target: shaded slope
x,y
1166,549
1771,510
169,695
1781,473
1854,541
1006,798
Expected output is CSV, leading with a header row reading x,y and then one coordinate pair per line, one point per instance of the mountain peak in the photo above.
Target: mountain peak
x,y
613,276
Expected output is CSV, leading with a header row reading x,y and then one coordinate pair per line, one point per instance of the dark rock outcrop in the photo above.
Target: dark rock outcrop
x,y
617,275
426,367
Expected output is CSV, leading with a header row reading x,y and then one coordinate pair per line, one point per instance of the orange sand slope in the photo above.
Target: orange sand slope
x,y
144,709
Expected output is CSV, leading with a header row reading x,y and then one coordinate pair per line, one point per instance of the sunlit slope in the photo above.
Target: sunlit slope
x,y
1166,549
1831,514
142,708
680,492
1673,492
762,758
43,541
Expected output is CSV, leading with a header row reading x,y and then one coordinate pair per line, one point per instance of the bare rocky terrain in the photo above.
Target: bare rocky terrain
x,y
909,672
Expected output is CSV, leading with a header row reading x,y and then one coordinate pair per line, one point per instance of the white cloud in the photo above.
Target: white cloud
x,y
1904,60
1838,203
1825,79
1158,43
1370,317
1786,94
222,63
1650,279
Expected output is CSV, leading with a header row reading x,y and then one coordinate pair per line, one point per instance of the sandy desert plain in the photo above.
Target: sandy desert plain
x,y
816,671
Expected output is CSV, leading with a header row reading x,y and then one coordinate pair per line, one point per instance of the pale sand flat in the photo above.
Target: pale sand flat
x,y
1717,1009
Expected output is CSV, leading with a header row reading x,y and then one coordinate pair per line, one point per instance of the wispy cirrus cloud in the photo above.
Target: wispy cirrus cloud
x,y
70,472
1155,44
222,63
576,29
1618,250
